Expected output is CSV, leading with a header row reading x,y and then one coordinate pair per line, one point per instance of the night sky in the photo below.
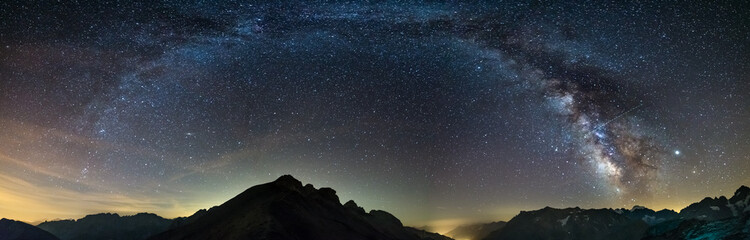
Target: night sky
x,y
438,113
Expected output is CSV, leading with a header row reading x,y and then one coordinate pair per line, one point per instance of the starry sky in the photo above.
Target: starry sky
x,y
440,113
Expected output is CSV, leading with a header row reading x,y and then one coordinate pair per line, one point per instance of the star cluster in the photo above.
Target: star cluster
x,y
439,113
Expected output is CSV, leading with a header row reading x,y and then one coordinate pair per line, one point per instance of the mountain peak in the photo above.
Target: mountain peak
x,y
640,208
145,214
353,206
385,218
329,194
742,191
285,209
289,182
100,217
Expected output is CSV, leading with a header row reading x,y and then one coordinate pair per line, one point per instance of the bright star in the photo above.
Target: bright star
x,y
676,152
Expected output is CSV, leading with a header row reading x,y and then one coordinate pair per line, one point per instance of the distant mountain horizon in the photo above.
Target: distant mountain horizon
x,y
418,226
286,208
108,226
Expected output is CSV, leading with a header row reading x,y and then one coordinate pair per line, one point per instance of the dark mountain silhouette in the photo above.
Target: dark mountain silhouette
x,y
180,221
108,226
425,235
475,231
15,230
649,216
708,209
571,223
719,208
711,218
284,209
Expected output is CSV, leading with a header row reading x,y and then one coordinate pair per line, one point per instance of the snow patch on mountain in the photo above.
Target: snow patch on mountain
x,y
564,220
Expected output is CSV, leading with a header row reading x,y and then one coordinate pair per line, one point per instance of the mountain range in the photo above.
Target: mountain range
x,y
108,226
285,209
10,229
711,218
